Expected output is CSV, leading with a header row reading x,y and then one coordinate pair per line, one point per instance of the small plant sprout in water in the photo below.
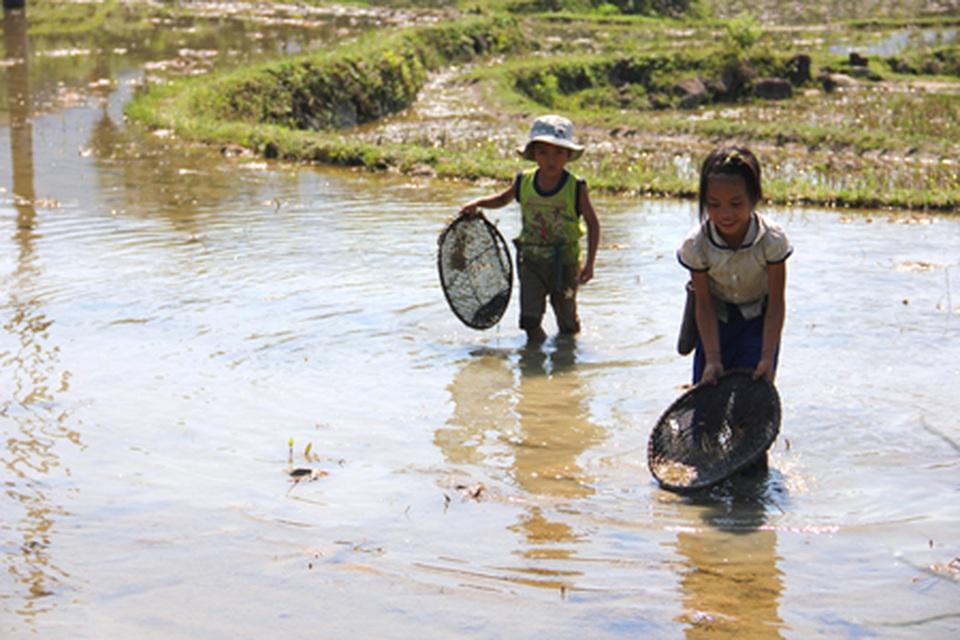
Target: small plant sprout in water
x,y
308,454
303,474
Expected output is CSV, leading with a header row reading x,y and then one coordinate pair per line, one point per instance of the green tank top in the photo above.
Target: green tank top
x,y
552,224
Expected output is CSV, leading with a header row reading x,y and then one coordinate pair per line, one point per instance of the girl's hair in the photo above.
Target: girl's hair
x,y
731,161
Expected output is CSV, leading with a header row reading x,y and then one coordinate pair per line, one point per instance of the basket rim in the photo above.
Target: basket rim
x,y
499,240
738,372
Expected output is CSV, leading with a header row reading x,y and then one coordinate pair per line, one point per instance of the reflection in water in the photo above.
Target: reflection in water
x,y
150,177
545,406
18,107
146,175
554,422
554,430
32,423
731,584
482,404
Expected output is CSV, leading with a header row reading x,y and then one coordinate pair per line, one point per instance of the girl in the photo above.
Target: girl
x,y
737,260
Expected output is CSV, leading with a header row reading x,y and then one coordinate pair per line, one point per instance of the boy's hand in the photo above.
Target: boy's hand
x,y
711,372
764,369
586,274
469,209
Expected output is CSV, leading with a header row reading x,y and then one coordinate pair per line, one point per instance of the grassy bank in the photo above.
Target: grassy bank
x,y
295,109
650,96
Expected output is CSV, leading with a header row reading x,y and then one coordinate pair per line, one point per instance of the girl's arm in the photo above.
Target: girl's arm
x,y
707,326
773,322
495,201
593,235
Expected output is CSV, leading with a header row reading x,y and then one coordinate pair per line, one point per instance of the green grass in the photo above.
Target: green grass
x,y
830,11
59,17
289,108
894,147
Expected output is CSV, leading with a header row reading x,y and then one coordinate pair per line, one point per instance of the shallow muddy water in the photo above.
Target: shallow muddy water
x,y
900,42
171,319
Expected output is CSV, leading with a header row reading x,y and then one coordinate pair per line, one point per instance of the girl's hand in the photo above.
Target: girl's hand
x,y
711,372
586,274
469,209
764,369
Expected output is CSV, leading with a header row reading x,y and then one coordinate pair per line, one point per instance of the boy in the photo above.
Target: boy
x,y
555,208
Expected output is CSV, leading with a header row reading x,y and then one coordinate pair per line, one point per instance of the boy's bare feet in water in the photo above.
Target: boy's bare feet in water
x,y
536,336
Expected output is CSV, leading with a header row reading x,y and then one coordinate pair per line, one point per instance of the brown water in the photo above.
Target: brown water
x,y
172,318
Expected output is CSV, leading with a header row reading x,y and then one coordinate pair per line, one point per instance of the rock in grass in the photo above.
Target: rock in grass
x,y
798,69
736,75
692,93
773,89
866,73
857,60
834,81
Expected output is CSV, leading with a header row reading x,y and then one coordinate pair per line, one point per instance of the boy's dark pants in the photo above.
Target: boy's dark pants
x,y
538,280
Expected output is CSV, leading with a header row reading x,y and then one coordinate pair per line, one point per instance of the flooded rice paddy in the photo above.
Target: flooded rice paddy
x,y
182,329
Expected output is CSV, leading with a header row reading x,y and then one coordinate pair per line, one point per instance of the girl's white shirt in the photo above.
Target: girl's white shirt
x,y
738,276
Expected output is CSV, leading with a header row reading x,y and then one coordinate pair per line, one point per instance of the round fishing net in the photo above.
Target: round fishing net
x,y
475,271
711,431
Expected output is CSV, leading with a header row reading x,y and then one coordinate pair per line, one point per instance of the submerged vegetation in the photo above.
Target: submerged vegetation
x,y
842,113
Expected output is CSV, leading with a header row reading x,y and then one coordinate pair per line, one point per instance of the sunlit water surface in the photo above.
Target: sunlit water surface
x,y
172,320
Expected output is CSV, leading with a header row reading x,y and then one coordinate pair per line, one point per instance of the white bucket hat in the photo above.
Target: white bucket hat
x,y
555,130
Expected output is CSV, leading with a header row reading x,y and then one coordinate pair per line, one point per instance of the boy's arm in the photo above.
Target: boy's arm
x,y
773,322
495,201
593,235
707,326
